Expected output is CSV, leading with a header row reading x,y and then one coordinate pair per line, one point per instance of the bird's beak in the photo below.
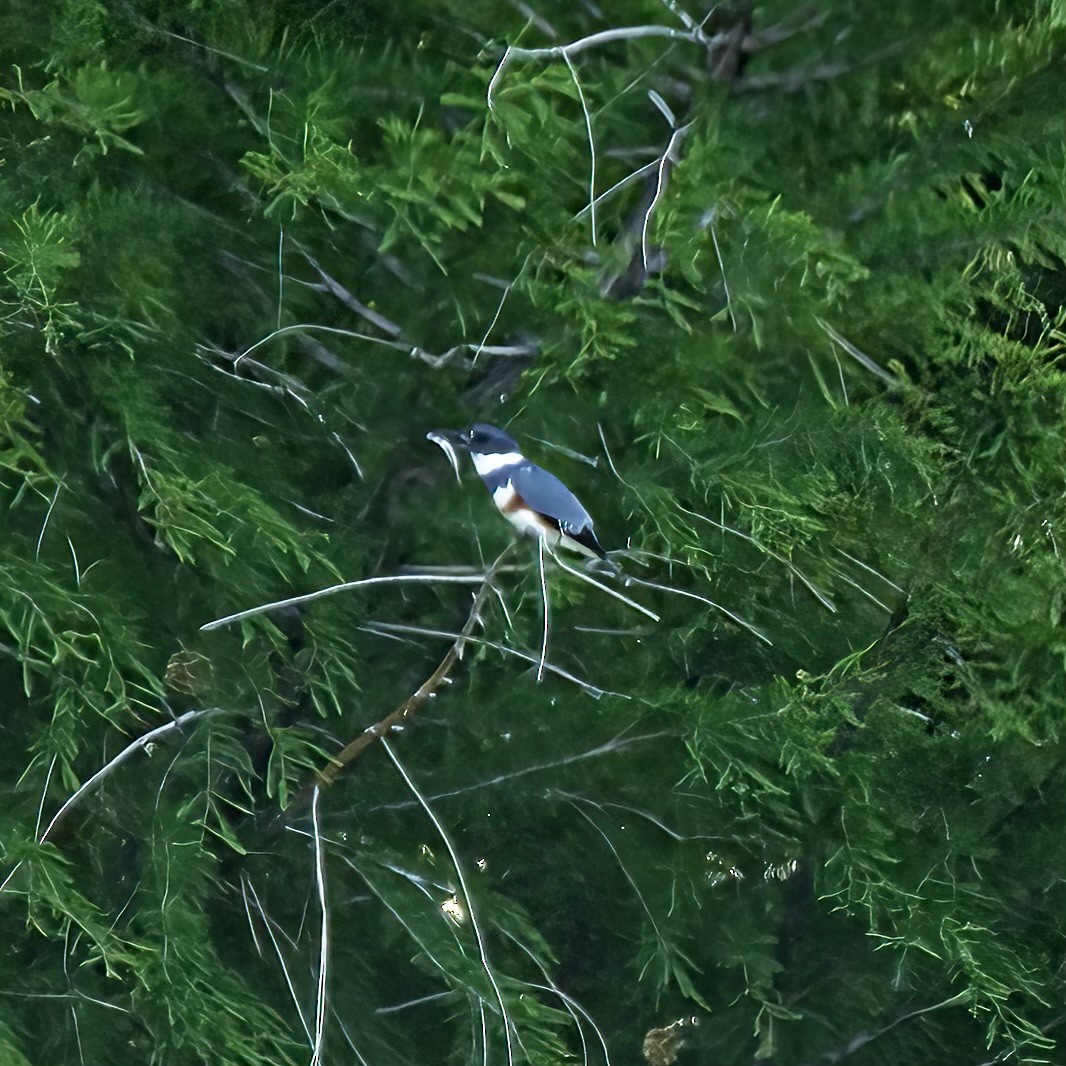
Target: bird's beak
x,y
451,442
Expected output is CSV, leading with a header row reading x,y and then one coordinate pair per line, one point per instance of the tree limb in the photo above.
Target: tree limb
x,y
428,688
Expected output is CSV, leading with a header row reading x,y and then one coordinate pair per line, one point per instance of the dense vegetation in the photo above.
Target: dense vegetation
x,y
780,294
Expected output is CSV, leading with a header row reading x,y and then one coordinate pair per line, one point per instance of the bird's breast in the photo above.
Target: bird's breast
x,y
521,515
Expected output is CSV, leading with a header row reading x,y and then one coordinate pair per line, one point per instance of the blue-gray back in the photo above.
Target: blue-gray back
x,y
547,495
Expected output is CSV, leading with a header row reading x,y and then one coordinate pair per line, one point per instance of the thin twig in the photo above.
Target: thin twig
x,y
14,870
619,33
536,19
323,956
281,272
592,146
544,604
348,452
871,570
151,27
690,24
44,795
107,768
855,585
625,871
344,1031
619,185
467,898
436,361
431,998
703,599
721,267
799,79
614,470
616,744
303,327
660,186
307,597
248,915
44,524
335,288
859,356
800,21
499,309
281,959
604,588
422,945
388,628
791,567
77,568
460,569
571,1004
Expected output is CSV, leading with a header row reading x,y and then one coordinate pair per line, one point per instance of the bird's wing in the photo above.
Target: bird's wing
x,y
548,496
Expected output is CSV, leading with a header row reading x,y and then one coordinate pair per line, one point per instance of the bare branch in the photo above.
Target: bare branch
x,y
567,51
113,764
413,350
467,898
660,186
308,597
323,955
859,356
690,24
604,588
335,288
429,687
269,925
616,744
544,604
703,599
592,145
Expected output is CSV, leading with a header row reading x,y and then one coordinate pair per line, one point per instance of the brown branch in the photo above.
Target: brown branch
x,y
428,688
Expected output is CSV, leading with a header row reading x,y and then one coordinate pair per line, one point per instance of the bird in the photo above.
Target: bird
x,y
534,501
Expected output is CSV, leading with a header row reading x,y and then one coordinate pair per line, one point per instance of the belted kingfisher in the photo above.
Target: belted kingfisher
x,y
535,502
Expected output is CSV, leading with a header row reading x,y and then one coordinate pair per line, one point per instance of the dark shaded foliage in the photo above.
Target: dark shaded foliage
x,y
806,365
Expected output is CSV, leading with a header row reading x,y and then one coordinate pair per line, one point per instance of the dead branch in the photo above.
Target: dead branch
x,y
323,957
441,676
567,51
140,744
307,597
335,288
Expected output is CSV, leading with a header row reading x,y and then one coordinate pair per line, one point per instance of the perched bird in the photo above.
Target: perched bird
x,y
535,502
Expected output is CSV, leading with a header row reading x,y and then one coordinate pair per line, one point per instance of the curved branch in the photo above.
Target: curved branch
x,y
566,51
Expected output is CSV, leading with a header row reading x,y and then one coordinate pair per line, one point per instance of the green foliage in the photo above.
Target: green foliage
x,y
803,355
37,252
93,101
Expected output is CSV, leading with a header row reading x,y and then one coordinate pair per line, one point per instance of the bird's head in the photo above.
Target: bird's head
x,y
479,439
